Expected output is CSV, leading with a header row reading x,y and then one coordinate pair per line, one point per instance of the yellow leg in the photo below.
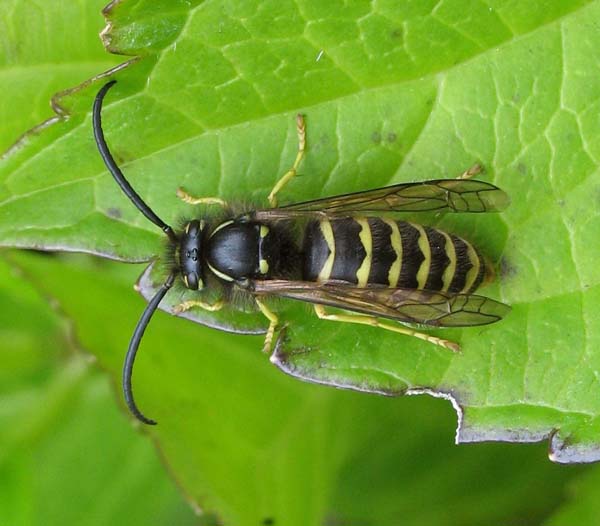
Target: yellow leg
x,y
273,321
362,319
291,173
191,200
476,169
187,305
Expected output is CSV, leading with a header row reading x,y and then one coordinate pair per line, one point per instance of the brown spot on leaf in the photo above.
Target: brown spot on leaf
x,y
114,212
507,269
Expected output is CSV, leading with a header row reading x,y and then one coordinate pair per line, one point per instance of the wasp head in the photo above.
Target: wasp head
x,y
190,255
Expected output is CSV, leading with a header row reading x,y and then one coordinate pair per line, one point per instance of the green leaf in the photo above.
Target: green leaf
x,y
67,455
582,507
44,49
392,92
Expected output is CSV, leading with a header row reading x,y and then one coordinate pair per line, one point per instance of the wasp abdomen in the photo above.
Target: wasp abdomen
x,y
372,250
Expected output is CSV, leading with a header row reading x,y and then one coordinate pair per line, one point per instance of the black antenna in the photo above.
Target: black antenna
x,y
116,171
149,213
133,347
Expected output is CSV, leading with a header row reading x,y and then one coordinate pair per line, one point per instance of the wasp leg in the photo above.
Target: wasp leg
x,y
273,321
374,322
187,305
191,200
476,169
291,173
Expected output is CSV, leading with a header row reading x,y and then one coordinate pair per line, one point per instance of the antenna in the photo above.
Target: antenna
x,y
133,347
116,171
149,213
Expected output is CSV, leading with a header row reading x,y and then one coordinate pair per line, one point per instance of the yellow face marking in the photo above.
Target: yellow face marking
x,y
423,272
219,227
474,271
263,266
202,224
264,231
366,238
218,273
448,274
396,240
185,281
327,232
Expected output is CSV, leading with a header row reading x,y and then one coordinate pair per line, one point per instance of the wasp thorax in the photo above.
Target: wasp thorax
x,y
190,255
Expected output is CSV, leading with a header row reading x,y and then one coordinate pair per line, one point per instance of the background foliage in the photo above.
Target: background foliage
x,y
392,91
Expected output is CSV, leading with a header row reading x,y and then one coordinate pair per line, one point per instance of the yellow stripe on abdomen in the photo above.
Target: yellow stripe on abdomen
x,y
449,271
327,232
396,241
473,272
366,239
425,248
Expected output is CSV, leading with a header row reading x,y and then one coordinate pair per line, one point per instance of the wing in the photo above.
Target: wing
x,y
455,195
436,309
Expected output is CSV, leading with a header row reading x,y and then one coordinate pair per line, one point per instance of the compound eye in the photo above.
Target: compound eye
x,y
191,281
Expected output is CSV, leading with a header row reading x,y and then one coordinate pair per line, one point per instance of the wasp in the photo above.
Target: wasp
x,y
348,252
